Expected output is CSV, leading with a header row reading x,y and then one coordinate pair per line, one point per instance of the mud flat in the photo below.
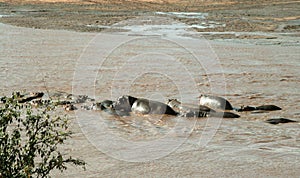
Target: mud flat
x,y
151,57
227,16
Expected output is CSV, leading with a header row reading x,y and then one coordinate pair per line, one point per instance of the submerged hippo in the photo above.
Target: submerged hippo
x,y
279,120
108,107
128,103
261,108
188,111
31,96
215,102
100,106
106,104
179,107
199,111
124,103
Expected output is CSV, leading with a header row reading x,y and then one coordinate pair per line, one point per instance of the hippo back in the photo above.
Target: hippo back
x,y
145,106
215,102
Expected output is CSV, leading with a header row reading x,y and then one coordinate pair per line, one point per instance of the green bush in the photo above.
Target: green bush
x,y
29,140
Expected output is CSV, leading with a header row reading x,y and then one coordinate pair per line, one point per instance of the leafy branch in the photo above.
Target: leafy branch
x,y
29,140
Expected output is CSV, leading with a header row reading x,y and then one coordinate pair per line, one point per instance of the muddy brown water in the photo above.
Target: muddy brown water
x,y
160,65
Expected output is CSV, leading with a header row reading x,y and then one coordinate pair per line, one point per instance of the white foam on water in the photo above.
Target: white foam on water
x,y
174,29
2,15
98,26
191,15
165,26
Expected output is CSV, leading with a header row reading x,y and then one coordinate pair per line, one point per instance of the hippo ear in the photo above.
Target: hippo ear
x,y
131,100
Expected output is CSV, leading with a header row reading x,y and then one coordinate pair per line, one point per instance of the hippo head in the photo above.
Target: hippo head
x,y
124,103
173,103
106,104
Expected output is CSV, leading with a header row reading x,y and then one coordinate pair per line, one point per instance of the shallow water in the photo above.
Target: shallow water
x,y
159,67
197,15
158,25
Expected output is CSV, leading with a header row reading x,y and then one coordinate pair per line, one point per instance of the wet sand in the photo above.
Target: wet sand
x,y
162,62
86,15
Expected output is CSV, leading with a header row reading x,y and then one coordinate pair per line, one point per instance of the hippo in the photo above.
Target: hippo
x,y
279,120
215,102
32,96
224,115
177,106
103,105
268,108
70,107
261,108
106,106
128,103
199,111
180,108
124,103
